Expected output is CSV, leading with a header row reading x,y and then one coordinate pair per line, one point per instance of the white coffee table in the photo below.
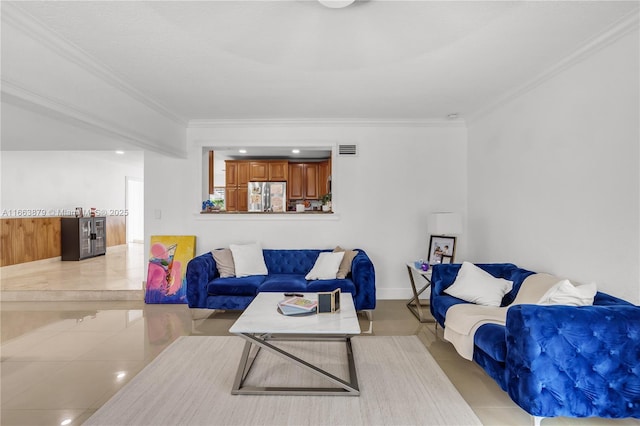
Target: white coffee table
x,y
261,322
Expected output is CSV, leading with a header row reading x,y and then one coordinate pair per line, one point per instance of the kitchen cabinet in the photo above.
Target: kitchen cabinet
x,y
311,181
231,174
303,181
83,237
268,171
237,199
324,174
231,199
295,189
258,171
278,171
243,199
237,175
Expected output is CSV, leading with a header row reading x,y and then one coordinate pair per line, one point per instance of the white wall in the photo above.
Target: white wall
x,y
382,197
63,180
554,175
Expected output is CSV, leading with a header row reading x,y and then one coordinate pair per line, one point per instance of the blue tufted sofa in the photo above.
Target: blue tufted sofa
x,y
287,270
556,360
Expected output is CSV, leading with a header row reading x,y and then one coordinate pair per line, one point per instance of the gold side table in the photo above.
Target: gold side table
x,y
414,304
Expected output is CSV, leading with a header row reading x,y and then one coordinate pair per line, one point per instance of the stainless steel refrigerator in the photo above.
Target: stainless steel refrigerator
x,y
267,196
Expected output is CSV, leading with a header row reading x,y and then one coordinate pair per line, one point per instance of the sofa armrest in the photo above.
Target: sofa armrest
x,y
363,276
200,271
574,361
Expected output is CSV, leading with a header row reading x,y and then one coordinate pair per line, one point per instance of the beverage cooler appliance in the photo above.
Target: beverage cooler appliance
x,y
83,237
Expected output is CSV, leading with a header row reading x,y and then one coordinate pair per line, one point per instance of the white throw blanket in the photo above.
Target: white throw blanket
x,y
463,320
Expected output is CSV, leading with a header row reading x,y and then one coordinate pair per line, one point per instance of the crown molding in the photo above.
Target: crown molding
x,y
614,32
334,122
15,94
13,15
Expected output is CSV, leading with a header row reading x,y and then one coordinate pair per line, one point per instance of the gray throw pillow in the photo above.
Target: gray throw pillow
x,y
345,265
224,262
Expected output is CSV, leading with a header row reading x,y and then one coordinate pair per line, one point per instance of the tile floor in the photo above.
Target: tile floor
x,y
117,275
64,359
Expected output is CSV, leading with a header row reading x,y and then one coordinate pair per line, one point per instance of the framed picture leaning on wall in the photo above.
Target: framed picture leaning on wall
x,y
442,249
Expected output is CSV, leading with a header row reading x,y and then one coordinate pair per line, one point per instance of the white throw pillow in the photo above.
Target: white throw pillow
x,y
565,293
478,286
248,259
326,266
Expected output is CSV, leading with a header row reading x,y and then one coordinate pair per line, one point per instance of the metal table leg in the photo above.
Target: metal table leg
x,y
344,388
414,304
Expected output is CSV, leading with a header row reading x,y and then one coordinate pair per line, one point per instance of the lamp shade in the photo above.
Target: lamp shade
x,y
445,223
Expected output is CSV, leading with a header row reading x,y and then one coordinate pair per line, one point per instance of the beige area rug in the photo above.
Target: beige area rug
x,y
190,384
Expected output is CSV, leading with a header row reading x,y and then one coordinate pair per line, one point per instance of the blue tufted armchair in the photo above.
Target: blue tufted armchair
x,y
574,361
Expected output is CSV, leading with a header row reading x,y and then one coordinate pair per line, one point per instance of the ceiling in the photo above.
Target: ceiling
x,y
298,59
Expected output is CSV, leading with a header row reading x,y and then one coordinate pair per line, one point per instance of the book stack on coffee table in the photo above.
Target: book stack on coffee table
x,y
297,306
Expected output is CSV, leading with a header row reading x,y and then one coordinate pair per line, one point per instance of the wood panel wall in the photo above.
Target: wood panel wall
x,y
36,238
28,239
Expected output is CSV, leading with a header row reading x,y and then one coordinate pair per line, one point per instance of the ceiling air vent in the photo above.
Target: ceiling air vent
x,y
347,150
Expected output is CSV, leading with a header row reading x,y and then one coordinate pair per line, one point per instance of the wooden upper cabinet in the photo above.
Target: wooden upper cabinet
x,y
324,172
236,173
311,181
231,173
278,171
295,183
268,171
237,178
258,171
303,181
243,173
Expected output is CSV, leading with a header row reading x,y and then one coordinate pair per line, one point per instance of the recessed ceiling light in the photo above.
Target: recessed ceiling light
x,y
242,151
295,151
120,152
121,375
65,422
